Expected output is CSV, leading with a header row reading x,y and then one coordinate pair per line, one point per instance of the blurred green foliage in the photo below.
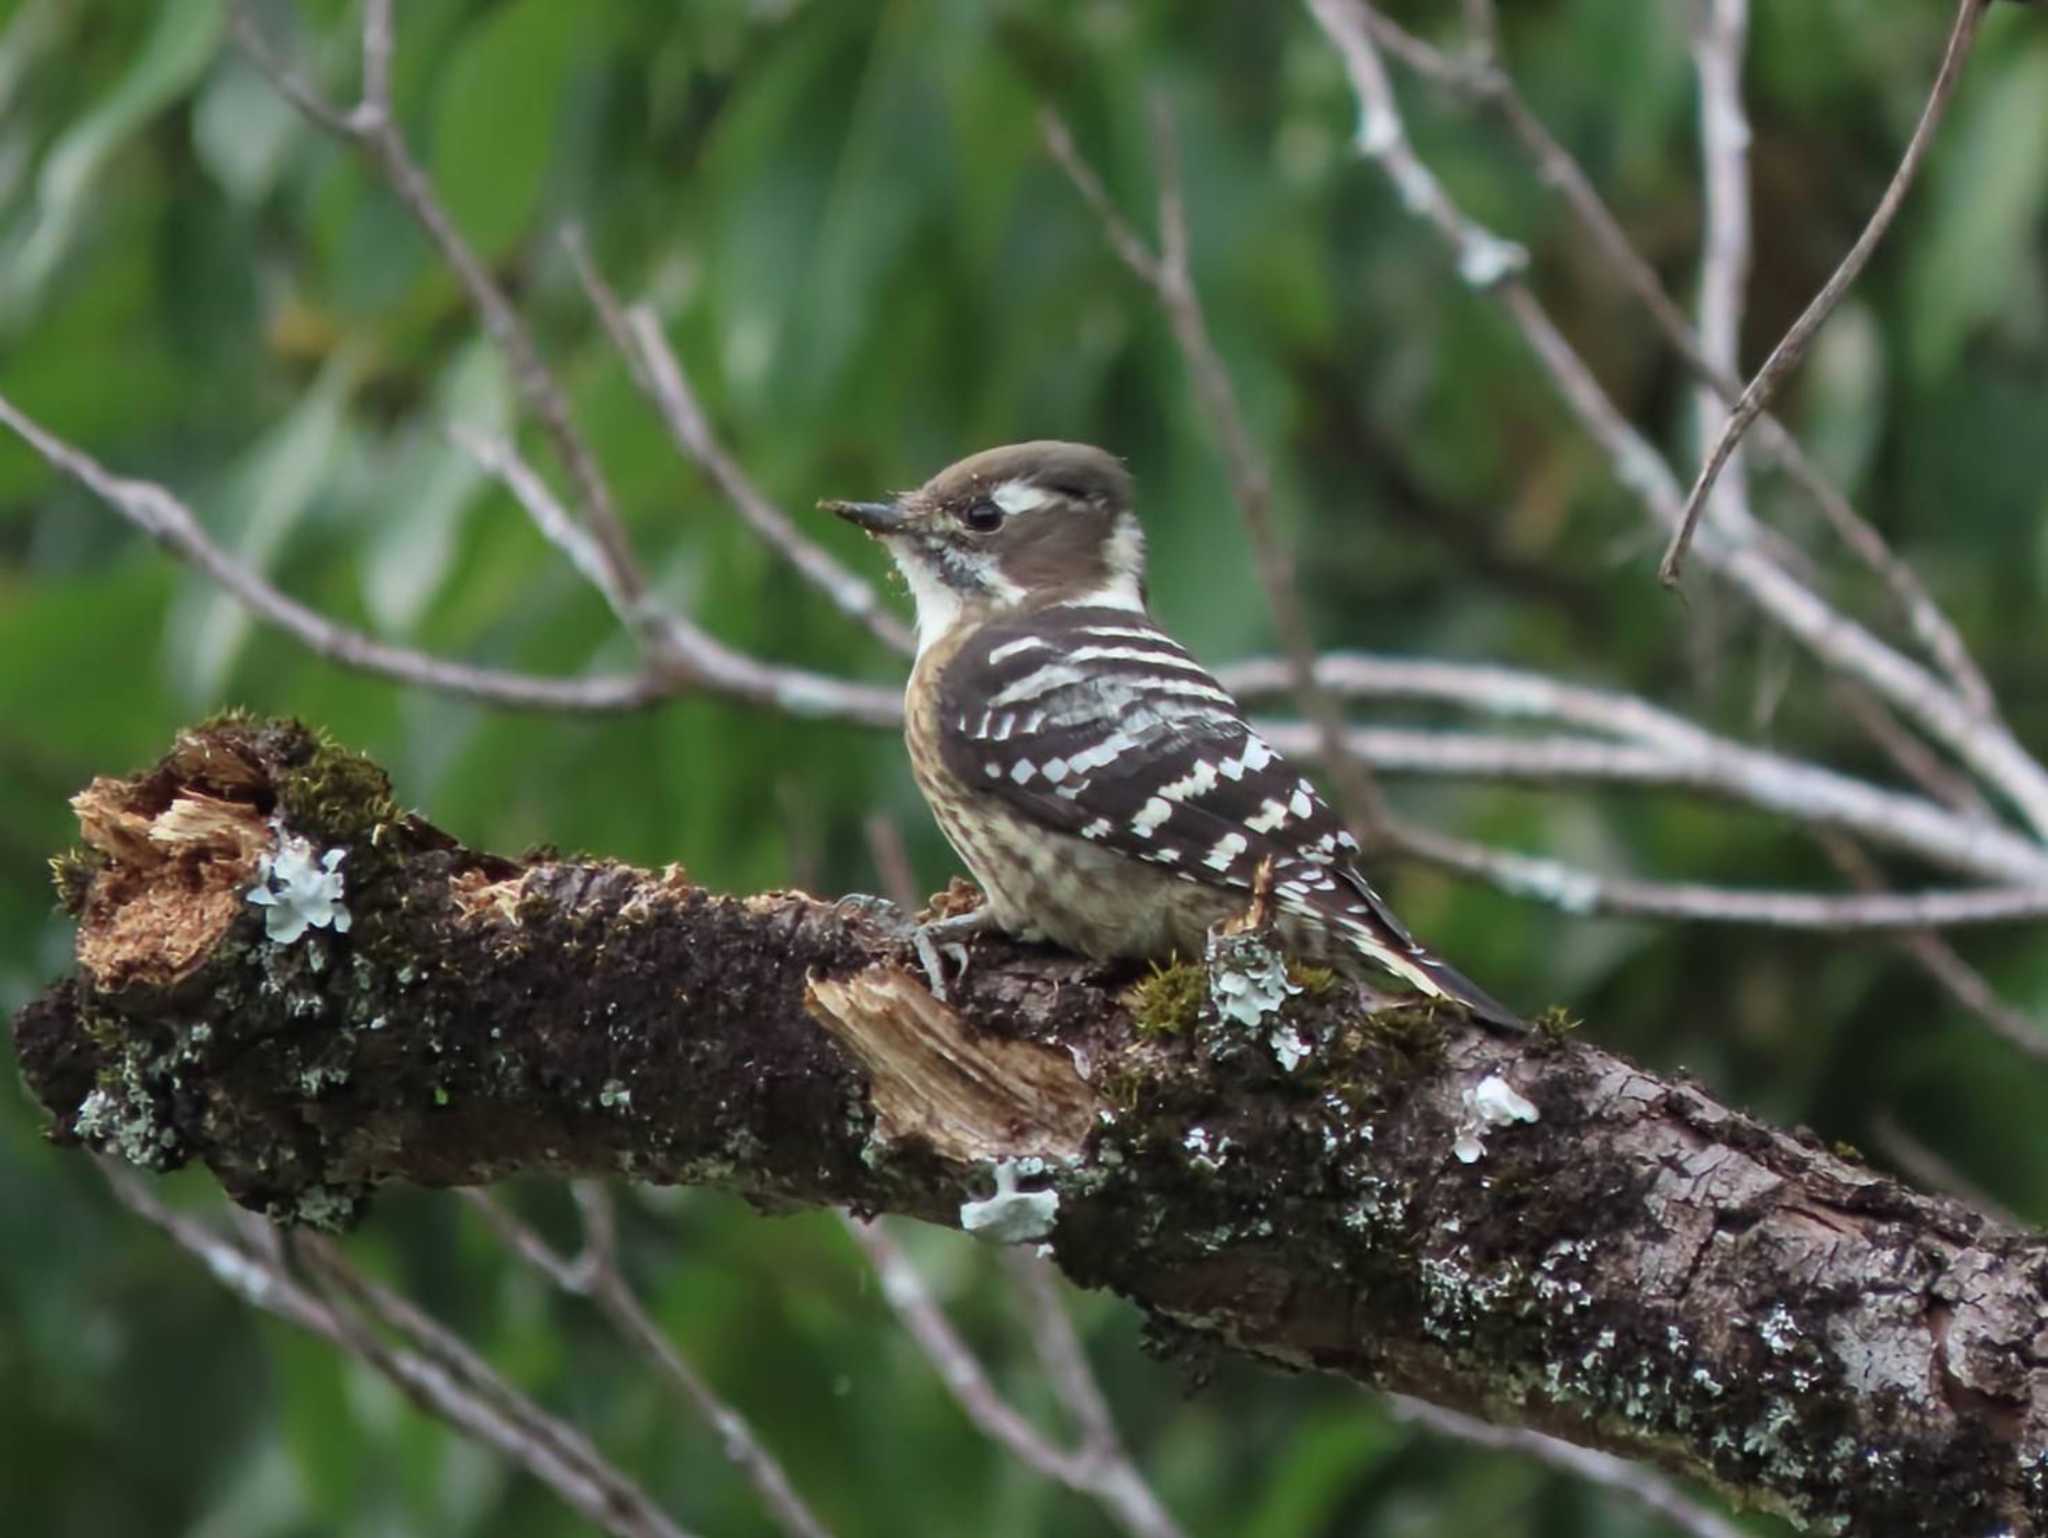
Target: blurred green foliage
x,y
844,216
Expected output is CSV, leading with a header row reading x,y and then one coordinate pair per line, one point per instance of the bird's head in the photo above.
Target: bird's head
x,y
1019,527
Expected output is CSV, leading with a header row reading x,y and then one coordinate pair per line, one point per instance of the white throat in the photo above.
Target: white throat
x,y
938,606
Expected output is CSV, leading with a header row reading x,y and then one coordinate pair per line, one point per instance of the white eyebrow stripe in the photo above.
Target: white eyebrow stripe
x,y
1019,496
1158,655
1054,675
1010,649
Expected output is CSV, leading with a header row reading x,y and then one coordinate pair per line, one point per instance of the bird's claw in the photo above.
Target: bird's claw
x,y
877,910
931,942
932,954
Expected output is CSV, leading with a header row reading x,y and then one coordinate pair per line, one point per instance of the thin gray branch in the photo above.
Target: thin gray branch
x,y
581,1478
1720,33
1488,84
1098,1468
1839,641
1918,762
1645,1486
1791,348
500,459
1688,755
704,664
502,1415
374,127
1120,1484
957,1366
1583,892
637,334
595,1275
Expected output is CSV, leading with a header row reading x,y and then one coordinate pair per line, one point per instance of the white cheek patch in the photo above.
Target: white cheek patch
x,y
1019,497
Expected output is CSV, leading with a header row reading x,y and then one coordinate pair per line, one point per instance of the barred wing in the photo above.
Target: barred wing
x,y
1093,722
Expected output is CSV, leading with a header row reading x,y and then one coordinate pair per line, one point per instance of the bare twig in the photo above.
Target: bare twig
x,y
1700,759
501,1419
1643,1485
1580,891
1169,275
373,125
571,1274
500,459
596,1275
704,663
1123,1487
362,1308
1985,744
958,1368
1482,258
1942,962
637,334
1485,82
609,1289
161,515
285,79
1739,775
1837,640
1482,26
1089,1470
1914,758
1792,347
1720,32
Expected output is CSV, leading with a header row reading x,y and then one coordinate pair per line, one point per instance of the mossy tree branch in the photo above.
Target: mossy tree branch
x,y
1637,1268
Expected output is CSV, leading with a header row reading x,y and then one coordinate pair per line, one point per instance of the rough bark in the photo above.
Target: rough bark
x,y
1637,1268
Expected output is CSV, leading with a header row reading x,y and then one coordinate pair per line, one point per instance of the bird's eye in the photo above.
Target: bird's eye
x,y
983,517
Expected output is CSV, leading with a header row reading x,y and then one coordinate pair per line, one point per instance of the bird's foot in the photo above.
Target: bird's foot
x,y
934,943
948,937
879,911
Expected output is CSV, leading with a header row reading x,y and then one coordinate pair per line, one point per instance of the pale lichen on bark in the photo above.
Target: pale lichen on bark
x,y
1636,1267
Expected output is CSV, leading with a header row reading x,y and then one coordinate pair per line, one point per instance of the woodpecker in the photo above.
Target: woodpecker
x,y
1105,790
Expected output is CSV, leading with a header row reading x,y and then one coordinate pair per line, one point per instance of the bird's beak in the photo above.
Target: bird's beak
x,y
875,517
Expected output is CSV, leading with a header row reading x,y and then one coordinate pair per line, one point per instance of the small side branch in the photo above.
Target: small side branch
x,y
1485,80
638,336
1838,641
373,126
1791,348
437,1373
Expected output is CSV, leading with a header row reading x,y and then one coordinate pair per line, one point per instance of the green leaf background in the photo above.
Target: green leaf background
x,y
843,215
